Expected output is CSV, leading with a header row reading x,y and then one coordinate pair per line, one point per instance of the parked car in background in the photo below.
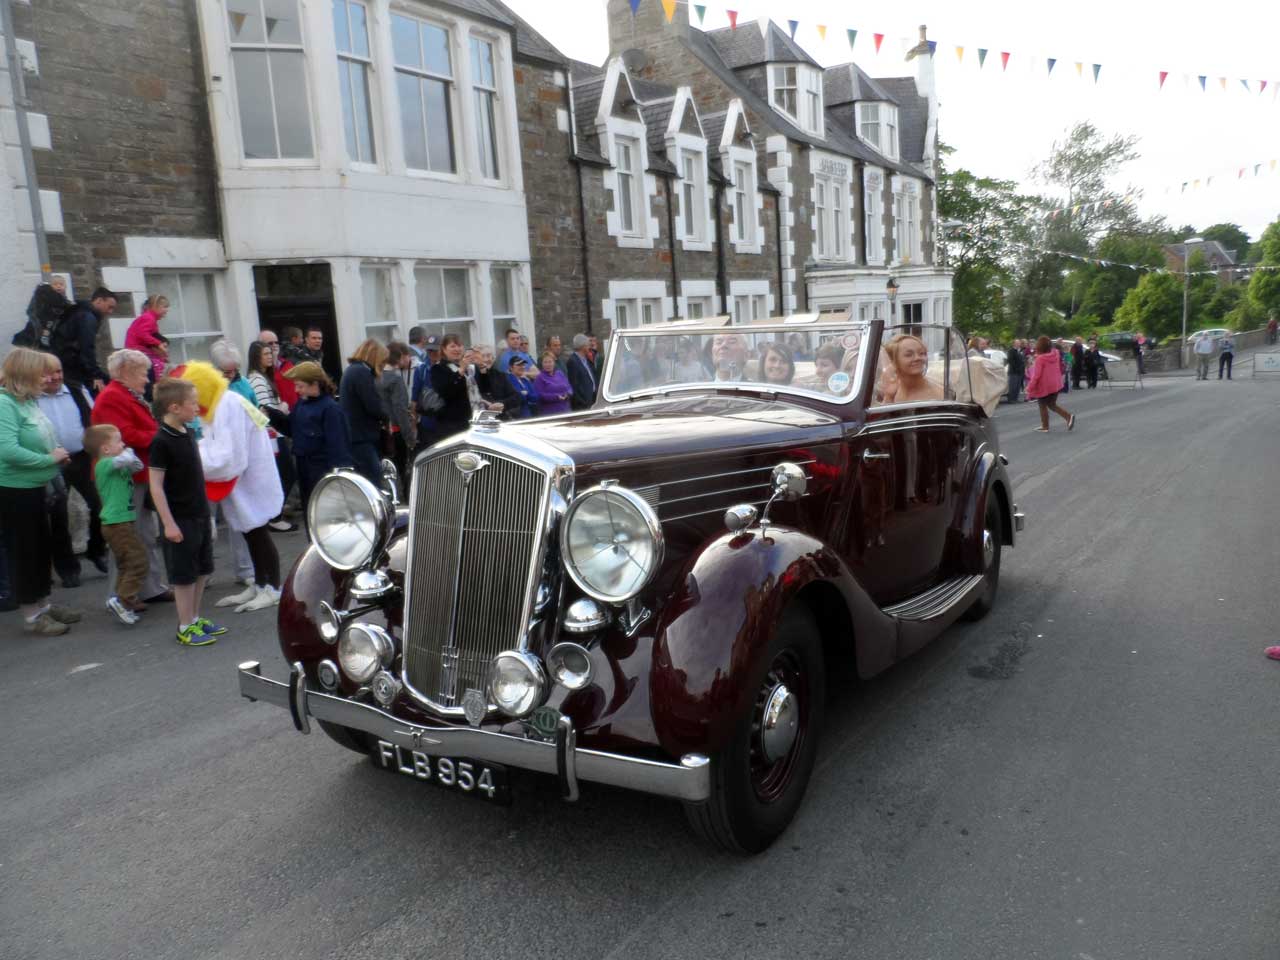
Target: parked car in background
x,y
1125,341
1216,332
649,594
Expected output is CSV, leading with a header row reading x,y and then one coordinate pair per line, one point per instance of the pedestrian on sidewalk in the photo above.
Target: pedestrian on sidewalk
x,y
1093,363
1045,384
318,429
1273,325
1204,351
1226,356
178,492
114,467
1077,363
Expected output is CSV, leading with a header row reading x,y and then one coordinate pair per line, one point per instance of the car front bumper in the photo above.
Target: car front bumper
x,y
688,780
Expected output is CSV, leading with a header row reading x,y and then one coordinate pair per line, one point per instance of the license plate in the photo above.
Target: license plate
x,y
487,780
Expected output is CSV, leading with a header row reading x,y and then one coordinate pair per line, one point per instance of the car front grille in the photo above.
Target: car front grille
x,y
474,551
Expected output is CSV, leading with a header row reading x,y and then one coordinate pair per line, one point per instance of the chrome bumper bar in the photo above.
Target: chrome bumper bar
x,y
1019,519
689,780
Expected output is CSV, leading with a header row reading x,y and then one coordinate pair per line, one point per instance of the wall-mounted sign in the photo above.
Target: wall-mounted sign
x,y
833,167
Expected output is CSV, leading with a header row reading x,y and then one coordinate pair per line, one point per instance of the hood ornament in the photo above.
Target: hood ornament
x,y
469,463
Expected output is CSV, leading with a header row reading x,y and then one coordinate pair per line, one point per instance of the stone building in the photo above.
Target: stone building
x,y
837,168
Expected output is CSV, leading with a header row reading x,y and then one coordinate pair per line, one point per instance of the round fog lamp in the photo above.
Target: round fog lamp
x,y
569,665
363,649
515,683
327,671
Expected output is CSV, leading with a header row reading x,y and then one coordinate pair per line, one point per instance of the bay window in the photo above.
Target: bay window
x,y
878,126
270,75
444,299
424,84
355,63
484,86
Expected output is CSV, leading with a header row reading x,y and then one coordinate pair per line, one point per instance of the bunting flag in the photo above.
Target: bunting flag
x,y
959,54
733,18
1202,79
1245,84
701,10
1222,82
1256,168
1097,69
1004,61
1079,69
822,32
933,46
1195,184
635,5
793,25
879,39
1263,87
1051,61
1164,75
1184,186
853,37
669,8
1240,175
982,56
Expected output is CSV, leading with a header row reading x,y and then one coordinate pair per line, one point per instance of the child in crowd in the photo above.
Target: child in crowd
x,y
318,428
178,492
113,475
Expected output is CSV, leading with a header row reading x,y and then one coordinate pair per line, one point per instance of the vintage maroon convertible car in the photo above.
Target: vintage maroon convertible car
x,y
646,594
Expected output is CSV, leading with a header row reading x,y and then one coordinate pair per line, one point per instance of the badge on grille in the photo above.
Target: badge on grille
x,y
469,463
474,706
543,722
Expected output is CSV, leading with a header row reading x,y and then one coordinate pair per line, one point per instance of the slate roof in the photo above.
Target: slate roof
x,y
1212,249
848,82
913,116
747,47
530,44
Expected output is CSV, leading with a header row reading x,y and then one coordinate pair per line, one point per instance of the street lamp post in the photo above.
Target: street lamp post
x,y
891,291
1186,291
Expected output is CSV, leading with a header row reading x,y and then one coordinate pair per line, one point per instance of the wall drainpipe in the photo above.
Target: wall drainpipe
x,y
722,282
671,245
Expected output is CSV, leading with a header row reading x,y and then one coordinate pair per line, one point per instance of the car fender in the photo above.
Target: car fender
x,y
987,478
712,633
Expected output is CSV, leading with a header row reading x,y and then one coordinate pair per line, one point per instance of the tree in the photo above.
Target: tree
x,y
1230,236
1264,285
1079,167
1108,285
1154,306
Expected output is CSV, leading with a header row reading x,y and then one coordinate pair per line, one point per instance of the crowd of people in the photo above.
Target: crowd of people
x,y
160,451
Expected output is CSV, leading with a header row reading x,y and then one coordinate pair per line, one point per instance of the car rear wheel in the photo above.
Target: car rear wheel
x,y
992,530
351,739
759,779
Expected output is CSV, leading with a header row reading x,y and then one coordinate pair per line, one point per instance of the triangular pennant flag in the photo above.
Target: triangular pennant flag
x,y
933,47
1201,78
853,37
1164,75
1222,82
960,54
669,8
879,39
238,19
1245,84
1079,68
982,57
733,19
1097,69
763,24
1263,87
792,25
1256,168
1051,61
1209,182
1184,186
1195,184
822,32
635,5
1240,175
1004,61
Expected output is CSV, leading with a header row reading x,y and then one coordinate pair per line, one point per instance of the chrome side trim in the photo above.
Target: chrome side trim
x,y
915,422
689,780
936,601
298,698
566,758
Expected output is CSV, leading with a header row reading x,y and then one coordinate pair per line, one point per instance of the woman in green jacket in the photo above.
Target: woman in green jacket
x,y
29,459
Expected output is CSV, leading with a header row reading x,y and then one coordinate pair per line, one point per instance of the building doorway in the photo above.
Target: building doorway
x,y
300,295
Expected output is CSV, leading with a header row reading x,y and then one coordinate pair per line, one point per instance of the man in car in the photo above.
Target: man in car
x,y
729,356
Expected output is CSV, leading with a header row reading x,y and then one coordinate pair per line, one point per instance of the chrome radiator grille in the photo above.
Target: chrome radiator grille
x,y
473,553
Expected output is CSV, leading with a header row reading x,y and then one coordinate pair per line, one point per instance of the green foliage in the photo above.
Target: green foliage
x,y
1264,285
1231,236
1153,306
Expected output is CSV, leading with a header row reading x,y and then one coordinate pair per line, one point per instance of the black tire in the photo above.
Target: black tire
x,y
355,740
753,800
993,527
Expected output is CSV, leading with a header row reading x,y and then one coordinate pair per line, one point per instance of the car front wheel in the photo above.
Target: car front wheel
x,y
759,779
992,531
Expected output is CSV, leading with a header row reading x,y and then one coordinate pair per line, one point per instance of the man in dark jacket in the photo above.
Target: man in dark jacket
x,y
1077,363
581,373
1017,371
75,340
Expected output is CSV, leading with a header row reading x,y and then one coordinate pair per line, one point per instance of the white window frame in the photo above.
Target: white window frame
x,y
784,78
693,191
462,324
832,187
873,216
480,94
645,228
266,47
907,233
423,74
349,60
383,274
502,322
629,199
839,222
878,126
822,217
795,91
811,97
699,295
750,300
630,301
177,306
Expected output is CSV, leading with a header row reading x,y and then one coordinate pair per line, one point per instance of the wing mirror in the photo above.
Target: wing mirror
x,y
391,482
789,483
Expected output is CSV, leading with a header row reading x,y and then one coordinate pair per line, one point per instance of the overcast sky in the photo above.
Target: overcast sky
x,y
1002,123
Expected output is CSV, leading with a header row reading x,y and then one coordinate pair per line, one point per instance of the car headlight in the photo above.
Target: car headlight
x,y
612,543
516,682
363,650
348,520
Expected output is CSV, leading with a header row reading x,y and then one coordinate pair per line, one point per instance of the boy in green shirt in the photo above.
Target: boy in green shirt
x,y
113,474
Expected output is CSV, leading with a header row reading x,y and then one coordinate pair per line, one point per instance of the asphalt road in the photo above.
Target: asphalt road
x,y
1091,773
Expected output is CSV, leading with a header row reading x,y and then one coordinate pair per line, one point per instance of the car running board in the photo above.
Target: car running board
x,y
924,616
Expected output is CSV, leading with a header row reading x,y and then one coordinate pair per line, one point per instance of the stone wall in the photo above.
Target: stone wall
x,y
122,84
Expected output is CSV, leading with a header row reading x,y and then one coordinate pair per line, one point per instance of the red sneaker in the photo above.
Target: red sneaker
x,y
1273,653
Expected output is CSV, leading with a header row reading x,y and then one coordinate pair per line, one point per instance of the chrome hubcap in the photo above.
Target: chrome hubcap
x,y
780,723
988,549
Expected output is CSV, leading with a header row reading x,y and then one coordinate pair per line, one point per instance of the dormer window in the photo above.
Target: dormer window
x,y
878,126
795,90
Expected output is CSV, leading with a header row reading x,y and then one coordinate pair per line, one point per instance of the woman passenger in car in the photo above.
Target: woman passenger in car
x,y
904,379
776,364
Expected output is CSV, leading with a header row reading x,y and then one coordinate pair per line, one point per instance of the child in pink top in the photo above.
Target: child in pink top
x,y
144,334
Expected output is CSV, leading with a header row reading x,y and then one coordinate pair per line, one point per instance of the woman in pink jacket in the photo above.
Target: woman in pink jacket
x,y
144,334
1045,382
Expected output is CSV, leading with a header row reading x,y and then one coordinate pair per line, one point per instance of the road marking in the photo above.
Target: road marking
x,y
82,668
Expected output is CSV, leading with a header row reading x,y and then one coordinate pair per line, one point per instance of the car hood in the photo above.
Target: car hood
x,y
678,428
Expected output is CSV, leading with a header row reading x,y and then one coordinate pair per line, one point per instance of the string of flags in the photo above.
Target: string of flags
x,y
1206,81
1249,170
1090,206
1099,262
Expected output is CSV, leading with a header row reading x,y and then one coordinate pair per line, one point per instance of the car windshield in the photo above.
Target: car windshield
x,y
810,355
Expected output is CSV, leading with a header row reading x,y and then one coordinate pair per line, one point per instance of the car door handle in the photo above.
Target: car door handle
x,y
868,455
